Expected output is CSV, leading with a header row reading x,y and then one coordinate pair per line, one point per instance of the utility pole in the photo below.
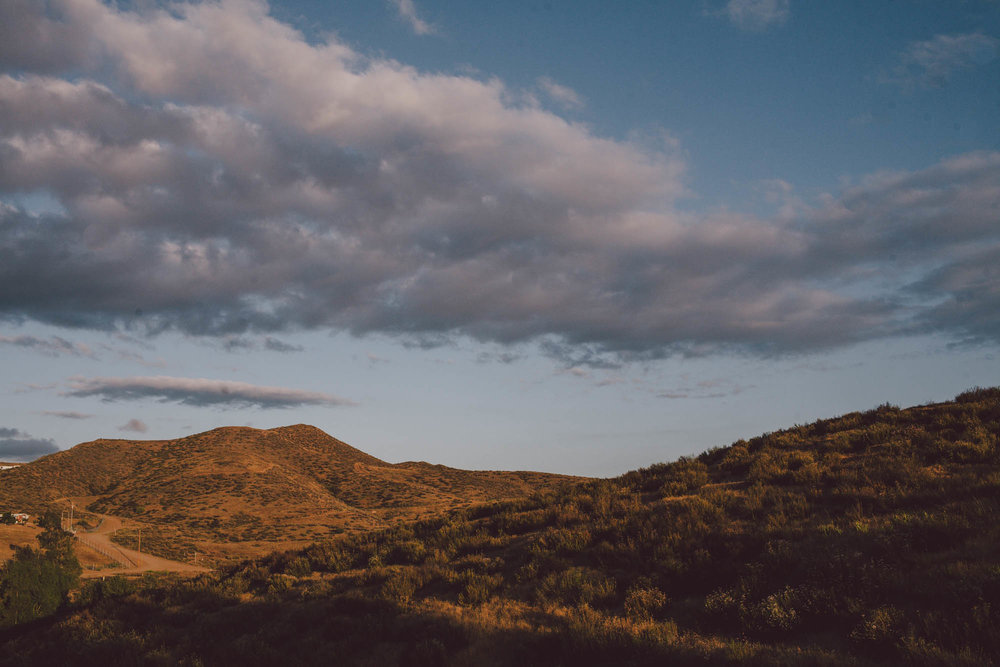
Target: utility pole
x,y
71,508
139,546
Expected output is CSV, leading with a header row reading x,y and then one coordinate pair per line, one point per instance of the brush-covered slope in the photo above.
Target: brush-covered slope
x,y
867,539
237,483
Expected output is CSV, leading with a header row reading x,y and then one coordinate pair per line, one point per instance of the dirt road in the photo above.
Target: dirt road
x,y
132,562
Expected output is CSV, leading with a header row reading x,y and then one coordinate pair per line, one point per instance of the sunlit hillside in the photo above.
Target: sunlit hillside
x,y
262,489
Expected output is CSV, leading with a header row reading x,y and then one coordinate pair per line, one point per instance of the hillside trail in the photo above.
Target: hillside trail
x,y
101,537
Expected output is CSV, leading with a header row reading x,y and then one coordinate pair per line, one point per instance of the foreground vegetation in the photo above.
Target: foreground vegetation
x,y
36,582
869,538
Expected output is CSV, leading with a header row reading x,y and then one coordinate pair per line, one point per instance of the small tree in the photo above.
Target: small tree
x,y
36,583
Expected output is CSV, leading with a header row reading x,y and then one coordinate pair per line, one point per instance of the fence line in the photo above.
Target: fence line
x,y
114,554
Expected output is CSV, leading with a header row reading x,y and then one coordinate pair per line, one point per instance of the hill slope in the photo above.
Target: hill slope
x,y
237,484
866,539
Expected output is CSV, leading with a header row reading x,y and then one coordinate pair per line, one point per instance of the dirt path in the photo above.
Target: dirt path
x,y
132,561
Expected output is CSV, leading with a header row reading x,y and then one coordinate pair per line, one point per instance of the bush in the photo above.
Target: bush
x,y
577,585
103,589
399,587
298,567
643,603
479,588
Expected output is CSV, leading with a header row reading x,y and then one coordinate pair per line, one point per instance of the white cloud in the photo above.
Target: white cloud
x,y
562,95
756,14
931,63
408,12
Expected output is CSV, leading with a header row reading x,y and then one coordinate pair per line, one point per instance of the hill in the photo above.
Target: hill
x,y
261,489
866,539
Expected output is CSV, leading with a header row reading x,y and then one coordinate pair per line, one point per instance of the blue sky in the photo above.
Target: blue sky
x,y
580,237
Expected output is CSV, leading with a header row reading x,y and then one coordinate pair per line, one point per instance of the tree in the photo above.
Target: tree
x,y
36,583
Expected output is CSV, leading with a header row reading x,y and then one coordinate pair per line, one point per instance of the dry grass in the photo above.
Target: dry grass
x,y
20,536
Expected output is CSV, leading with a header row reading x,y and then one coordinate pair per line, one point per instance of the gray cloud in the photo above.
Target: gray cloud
x,y
134,425
198,392
714,388
931,63
231,343
276,345
213,192
66,414
15,445
52,346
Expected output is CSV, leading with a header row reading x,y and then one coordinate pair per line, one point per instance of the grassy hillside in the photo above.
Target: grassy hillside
x,y
234,484
867,539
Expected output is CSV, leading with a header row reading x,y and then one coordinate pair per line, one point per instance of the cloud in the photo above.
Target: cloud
x,y
232,343
207,190
276,345
562,95
714,388
408,12
756,14
53,346
15,445
236,344
134,425
66,414
198,392
932,63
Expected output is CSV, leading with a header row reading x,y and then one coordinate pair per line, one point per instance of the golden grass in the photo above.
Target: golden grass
x,y
234,492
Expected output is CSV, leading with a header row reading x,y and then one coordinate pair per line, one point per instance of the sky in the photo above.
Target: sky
x,y
578,237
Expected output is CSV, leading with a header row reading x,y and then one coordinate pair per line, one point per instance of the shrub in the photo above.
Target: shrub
x,y
102,589
298,567
479,587
643,603
425,653
410,552
576,585
685,476
399,587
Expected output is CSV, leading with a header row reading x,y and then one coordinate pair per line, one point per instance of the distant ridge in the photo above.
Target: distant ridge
x,y
241,484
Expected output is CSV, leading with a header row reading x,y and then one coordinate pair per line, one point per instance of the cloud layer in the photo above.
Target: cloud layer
x,y
198,392
217,174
